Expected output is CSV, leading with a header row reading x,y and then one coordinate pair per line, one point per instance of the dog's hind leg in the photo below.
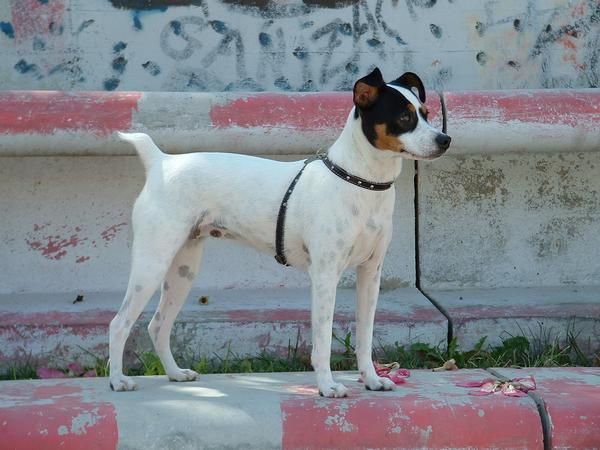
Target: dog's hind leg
x,y
151,254
175,290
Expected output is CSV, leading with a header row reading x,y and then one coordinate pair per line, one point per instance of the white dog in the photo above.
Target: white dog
x,y
338,214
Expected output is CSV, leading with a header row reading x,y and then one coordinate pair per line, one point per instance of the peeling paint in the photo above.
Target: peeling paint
x,y
571,396
48,112
111,232
416,417
51,243
62,414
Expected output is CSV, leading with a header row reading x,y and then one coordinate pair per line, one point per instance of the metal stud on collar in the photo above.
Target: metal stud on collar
x,y
357,181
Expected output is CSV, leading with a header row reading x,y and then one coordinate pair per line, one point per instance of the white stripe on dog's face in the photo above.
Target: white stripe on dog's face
x,y
420,143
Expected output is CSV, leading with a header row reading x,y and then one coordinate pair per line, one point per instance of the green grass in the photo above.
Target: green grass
x,y
19,372
541,349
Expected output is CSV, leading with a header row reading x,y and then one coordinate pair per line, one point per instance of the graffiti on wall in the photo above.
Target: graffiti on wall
x,y
297,45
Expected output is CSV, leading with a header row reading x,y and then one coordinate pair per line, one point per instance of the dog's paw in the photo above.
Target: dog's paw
x,y
183,375
379,384
334,390
121,383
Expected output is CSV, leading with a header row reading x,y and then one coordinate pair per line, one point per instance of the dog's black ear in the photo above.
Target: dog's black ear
x,y
366,90
411,81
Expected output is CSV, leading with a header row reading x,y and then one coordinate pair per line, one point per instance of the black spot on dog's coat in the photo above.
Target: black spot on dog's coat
x,y
183,271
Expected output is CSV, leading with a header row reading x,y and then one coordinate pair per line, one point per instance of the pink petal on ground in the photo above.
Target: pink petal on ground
x,y
510,390
382,371
515,394
475,383
403,373
479,393
490,386
45,372
526,383
397,379
75,368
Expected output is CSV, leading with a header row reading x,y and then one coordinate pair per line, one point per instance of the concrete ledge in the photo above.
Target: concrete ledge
x,y
43,123
544,312
543,120
51,329
265,411
571,398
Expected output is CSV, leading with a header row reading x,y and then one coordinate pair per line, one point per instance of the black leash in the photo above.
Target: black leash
x,y
337,170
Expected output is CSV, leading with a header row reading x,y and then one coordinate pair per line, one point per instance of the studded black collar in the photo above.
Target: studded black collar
x,y
357,181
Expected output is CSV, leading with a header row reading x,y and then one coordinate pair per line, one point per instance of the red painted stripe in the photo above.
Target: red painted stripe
x,y
102,317
58,318
574,408
572,399
300,111
427,416
574,108
47,417
44,112
315,111
303,315
478,312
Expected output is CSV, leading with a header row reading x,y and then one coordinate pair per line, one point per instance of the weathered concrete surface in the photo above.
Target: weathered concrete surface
x,y
264,411
543,315
294,45
51,329
509,220
38,123
66,415
65,228
484,122
571,398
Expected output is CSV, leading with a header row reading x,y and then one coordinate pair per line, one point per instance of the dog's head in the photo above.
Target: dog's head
x,y
394,117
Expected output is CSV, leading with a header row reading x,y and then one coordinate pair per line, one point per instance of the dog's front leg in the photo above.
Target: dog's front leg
x,y
368,278
324,283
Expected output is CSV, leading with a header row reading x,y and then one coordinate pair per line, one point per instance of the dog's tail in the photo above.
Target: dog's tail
x,y
145,147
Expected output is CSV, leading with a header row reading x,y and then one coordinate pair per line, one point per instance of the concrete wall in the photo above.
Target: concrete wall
x,y
485,221
65,228
510,220
309,45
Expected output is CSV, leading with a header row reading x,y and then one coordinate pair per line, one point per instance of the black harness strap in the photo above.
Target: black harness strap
x,y
279,231
337,170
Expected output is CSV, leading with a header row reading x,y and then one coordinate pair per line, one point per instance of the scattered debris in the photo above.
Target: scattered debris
x,y
448,365
45,372
517,387
78,299
391,371
74,370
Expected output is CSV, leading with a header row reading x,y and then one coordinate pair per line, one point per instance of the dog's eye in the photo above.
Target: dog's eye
x,y
404,117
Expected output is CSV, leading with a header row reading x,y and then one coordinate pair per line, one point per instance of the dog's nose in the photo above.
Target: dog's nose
x,y
443,141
